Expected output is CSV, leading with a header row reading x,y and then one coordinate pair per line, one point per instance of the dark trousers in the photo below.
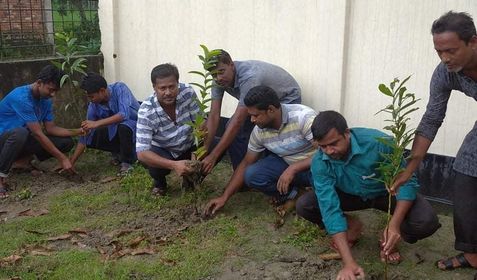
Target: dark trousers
x,y
122,143
465,209
420,222
18,143
238,148
159,174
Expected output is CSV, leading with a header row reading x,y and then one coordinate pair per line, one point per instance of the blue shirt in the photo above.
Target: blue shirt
x,y
354,176
19,107
121,101
156,128
252,73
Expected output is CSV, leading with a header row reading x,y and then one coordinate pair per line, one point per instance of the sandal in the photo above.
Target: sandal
x,y
449,264
159,191
3,193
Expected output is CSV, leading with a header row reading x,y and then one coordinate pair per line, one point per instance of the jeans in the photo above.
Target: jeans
x,y
263,175
122,143
420,222
19,142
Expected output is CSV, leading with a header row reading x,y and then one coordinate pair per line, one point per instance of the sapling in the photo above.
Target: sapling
x,y
402,105
209,61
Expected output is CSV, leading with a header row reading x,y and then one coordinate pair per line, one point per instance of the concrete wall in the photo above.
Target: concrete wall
x,y
339,51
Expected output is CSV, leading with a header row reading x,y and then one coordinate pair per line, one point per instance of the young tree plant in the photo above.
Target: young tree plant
x,y
402,105
199,131
68,50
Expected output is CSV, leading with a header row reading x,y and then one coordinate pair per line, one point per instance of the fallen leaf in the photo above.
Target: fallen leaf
x,y
168,262
15,278
10,260
143,251
3,212
31,213
136,241
108,179
60,237
79,231
162,240
183,228
119,233
330,256
120,253
38,250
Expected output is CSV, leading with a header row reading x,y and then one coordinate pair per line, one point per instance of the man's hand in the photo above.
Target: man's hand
x,y
182,168
400,179
214,205
87,125
285,180
350,272
393,238
208,164
66,166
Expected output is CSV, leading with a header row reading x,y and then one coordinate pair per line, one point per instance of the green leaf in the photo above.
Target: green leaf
x,y
198,73
384,89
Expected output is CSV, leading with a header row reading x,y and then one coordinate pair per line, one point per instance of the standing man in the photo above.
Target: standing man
x,y
164,140
455,41
27,127
344,172
283,135
237,78
110,121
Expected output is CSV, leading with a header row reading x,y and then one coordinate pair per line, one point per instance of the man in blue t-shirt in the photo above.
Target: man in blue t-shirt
x,y
27,126
110,121
344,172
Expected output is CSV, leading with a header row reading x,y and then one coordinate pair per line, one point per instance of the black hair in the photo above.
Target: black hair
x,y
460,23
93,82
261,97
224,57
50,74
326,121
165,70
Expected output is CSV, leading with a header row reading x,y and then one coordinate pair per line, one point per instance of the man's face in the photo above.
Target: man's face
x,y
47,90
261,118
100,96
335,145
225,74
454,52
166,90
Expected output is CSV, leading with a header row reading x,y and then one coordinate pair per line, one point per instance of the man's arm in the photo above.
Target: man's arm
x,y
419,149
52,129
350,270
90,124
287,176
154,160
235,183
46,143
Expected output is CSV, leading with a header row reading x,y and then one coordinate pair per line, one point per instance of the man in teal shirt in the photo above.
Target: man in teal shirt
x,y
344,179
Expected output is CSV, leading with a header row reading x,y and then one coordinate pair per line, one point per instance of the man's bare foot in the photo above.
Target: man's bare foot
x,y
23,163
354,232
393,258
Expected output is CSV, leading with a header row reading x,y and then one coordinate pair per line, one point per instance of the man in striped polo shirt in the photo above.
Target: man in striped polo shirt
x,y
282,134
164,141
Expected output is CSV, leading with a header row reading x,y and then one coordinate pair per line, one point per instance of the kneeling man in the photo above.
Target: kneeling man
x,y
279,151
344,173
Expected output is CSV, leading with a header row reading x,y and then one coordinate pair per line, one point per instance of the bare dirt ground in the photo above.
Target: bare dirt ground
x,y
263,250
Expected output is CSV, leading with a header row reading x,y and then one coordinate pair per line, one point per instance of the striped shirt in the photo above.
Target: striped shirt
x,y
156,128
293,141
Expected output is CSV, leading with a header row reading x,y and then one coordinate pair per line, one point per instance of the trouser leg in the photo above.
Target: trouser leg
x,y
465,209
11,145
63,144
238,148
127,152
159,174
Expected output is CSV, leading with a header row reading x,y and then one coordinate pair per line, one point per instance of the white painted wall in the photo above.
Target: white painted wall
x,y
339,51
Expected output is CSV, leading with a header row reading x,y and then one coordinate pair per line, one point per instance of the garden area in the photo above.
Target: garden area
x,y
96,225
